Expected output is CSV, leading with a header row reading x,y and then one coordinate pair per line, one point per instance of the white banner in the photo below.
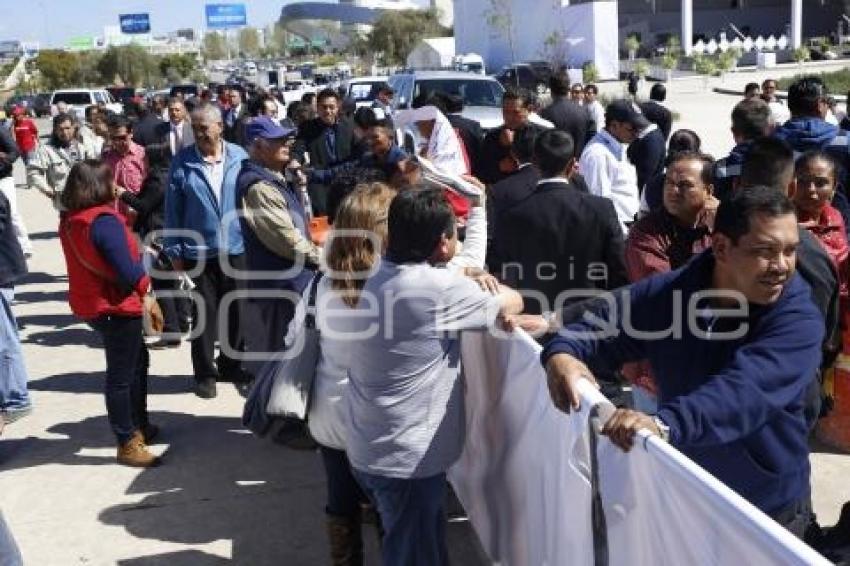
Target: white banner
x,y
524,480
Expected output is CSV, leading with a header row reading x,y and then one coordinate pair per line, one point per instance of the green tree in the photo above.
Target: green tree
x,y
500,18
129,64
397,32
249,42
57,68
215,46
179,66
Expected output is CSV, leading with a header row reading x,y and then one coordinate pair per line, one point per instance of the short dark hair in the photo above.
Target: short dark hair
x,y
804,96
308,97
683,140
85,187
454,103
707,171
734,214
365,117
768,163
751,88
117,121
658,92
292,109
553,151
559,84
592,88
751,118
327,93
520,95
522,147
418,218
345,183
813,155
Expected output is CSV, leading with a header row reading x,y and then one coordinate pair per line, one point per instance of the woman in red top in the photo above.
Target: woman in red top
x,y
108,289
815,175
26,134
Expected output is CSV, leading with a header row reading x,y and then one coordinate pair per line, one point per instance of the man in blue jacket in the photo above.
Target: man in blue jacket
x,y
736,343
203,237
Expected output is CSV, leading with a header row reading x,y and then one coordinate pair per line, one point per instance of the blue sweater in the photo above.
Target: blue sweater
x,y
191,206
109,236
733,406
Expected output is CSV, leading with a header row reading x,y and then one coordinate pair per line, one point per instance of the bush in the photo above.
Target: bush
x,y
837,82
641,69
590,72
669,61
802,54
705,66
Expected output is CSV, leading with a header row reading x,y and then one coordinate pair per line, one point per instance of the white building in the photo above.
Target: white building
x,y
432,53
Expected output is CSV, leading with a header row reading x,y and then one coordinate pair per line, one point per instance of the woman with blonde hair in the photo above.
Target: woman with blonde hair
x,y
354,247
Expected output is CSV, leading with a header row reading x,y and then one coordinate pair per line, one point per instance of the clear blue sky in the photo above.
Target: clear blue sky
x,y
53,22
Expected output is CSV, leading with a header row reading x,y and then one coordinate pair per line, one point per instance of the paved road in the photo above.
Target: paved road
x,y
222,496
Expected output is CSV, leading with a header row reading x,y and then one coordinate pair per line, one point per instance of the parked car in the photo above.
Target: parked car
x,y
363,90
482,95
122,94
187,90
78,99
527,76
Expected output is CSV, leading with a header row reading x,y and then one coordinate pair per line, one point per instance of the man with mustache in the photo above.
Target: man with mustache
x,y
733,374
203,237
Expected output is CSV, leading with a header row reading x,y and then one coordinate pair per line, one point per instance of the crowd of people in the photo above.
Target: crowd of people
x,y
216,216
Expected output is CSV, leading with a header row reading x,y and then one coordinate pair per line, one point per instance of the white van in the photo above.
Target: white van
x,y
77,99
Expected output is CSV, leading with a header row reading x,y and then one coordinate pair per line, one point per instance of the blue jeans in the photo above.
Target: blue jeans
x,y
126,373
13,373
344,493
413,518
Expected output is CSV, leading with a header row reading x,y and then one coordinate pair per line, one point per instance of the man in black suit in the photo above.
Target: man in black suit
x,y
559,239
511,190
144,132
496,161
174,135
236,118
567,115
656,112
647,154
329,142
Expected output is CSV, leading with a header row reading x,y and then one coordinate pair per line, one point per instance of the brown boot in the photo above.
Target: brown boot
x,y
135,453
345,541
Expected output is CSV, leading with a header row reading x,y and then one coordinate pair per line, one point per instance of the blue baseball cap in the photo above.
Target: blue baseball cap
x,y
266,128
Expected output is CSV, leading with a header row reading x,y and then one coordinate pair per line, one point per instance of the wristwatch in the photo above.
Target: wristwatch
x,y
663,429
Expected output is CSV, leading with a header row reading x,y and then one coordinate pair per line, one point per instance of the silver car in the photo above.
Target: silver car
x,y
482,95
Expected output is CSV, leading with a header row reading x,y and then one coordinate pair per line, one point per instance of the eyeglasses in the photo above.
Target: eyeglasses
x,y
125,137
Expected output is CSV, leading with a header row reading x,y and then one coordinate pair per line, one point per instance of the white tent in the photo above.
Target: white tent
x,y
432,53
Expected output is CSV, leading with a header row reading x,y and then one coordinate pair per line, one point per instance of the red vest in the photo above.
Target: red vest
x,y
93,290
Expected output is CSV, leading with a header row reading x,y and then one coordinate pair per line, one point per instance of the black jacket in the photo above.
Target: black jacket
x,y
235,132
312,139
13,265
658,115
548,241
647,155
492,152
10,152
149,204
144,132
571,118
162,142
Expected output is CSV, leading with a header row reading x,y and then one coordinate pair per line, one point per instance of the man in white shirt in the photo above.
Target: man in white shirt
x,y
405,392
604,163
179,129
597,111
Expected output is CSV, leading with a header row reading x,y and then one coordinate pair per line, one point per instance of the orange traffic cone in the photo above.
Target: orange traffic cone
x,y
834,429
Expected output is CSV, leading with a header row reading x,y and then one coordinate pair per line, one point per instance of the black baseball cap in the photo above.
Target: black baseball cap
x,y
624,110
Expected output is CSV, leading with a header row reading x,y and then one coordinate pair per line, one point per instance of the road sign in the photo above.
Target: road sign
x,y
135,23
82,43
224,16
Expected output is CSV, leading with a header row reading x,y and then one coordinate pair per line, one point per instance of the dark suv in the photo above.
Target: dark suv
x,y
533,76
